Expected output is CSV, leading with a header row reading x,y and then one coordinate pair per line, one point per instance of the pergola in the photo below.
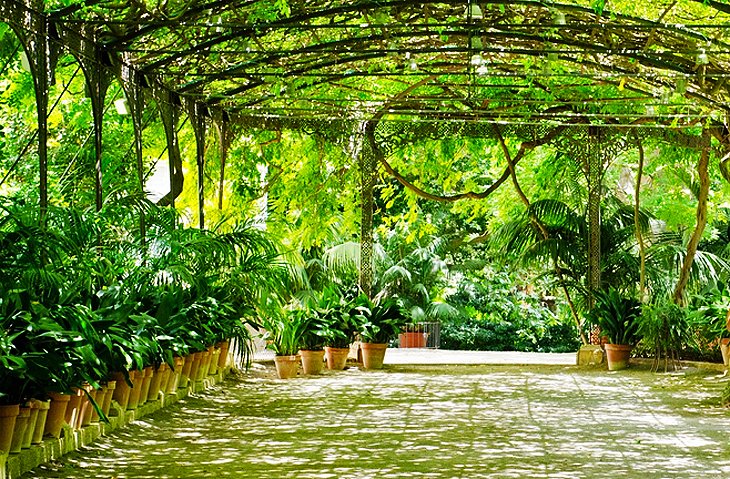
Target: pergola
x,y
592,78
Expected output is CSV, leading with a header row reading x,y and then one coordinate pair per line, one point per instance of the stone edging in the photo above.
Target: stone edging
x,y
14,465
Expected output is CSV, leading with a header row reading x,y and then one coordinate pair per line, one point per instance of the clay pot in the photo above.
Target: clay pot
x,y
137,378
617,356
111,386
8,417
412,340
725,350
205,364
312,361
373,355
167,378
21,424
122,389
223,358
148,374
174,375
83,417
40,424
195,367
153,391
74,408
185,371
87,408
214,357
27,440
336,357
286,366
56,414
99,398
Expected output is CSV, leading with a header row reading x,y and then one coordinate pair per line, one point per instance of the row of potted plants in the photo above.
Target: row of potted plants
x,y
26,424
662,330
88,298
321,329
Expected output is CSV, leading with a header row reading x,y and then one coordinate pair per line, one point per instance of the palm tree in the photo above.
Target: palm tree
x,y
553,237
412,272
563,253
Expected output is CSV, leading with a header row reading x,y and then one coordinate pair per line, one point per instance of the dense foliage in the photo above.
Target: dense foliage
x,y
88,293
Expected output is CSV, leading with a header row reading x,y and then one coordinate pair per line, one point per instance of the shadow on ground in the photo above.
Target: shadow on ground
x,y
428,422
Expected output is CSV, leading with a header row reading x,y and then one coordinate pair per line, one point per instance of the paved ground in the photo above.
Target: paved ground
x,y
441,356
487,421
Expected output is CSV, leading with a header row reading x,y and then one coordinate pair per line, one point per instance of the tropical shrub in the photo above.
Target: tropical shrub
x,y
284,332
382,320
617,316
665,332
498,316
338,315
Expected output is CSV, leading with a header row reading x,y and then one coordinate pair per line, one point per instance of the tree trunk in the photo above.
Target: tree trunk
x,y
637,223
702,170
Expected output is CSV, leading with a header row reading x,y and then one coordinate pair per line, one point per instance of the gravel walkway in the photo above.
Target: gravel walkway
x,y
467,421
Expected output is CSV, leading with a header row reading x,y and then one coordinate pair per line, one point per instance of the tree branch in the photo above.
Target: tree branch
x,y
637,225
525,147
539,225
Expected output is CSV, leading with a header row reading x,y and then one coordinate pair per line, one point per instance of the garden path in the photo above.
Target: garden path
x,y
428,421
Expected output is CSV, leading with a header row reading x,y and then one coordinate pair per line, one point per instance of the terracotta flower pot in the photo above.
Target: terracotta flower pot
x,y
87,411
137,378
21,424
286,366
56,414
167,375
74,408
213,369
205,364
8,417
153,390
86,407
725,350
336,357
195,367
223,358
175,375
412,340
203,368
312,361
40,424
122,389
99,398
111,386
373,355
148,375
186,370
617,356
34,406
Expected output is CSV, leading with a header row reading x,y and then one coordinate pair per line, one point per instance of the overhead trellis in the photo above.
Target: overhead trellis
x,y
660,63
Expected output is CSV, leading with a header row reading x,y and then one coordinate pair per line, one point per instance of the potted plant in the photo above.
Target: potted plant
x,y
339,319
283,336
617,317
312,342
382,322
12,371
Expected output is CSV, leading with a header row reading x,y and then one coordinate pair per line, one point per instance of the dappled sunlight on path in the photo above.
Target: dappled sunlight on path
x,y
427,422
